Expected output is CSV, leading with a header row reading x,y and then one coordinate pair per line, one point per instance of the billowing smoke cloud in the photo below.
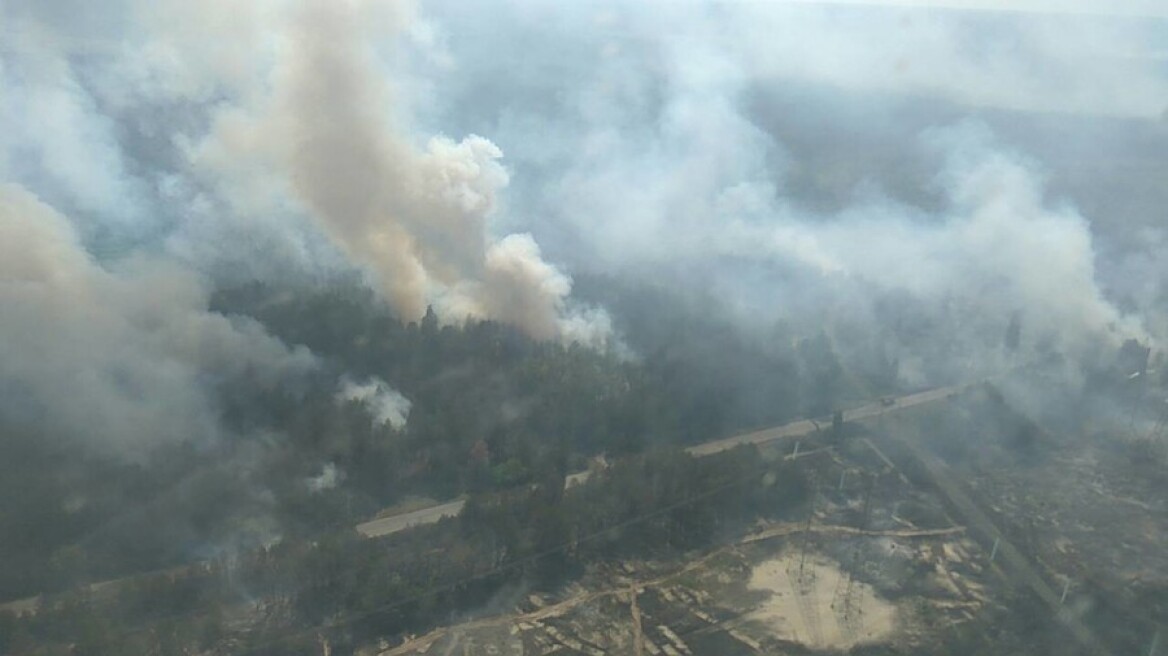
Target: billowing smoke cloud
x,y
998,241
386,406
125,356
694,143
417,217
998,248
239,159
782,155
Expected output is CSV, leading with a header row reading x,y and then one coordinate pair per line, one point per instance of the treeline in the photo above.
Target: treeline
x,y
281,600
491,410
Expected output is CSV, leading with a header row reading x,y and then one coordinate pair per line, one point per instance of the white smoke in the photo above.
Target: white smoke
x,y
327,479
418,218
658,157
998,245
124,356
634,140
386,406
286,113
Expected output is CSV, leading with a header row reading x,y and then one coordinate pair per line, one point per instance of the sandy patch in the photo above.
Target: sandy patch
x,y
814,604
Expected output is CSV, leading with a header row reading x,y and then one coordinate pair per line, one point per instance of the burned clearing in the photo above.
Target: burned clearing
x,y
1009,553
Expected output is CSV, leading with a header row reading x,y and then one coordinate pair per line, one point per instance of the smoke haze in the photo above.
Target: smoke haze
x,y
282,279
805,166
791,160
124,357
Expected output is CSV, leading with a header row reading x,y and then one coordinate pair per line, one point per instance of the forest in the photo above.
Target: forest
x,y
354,590
274,272
492,414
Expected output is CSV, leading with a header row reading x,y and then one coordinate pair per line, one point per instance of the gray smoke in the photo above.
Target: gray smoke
x,y
849,166
860,165
124,356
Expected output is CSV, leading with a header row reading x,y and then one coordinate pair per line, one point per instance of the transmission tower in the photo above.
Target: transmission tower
x,y
802,577
846,601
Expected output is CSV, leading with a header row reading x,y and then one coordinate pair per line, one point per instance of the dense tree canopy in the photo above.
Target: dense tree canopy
x,y
489,410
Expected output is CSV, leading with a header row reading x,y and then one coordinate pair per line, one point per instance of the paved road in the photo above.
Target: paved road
x,y
808,426
396,523
431,515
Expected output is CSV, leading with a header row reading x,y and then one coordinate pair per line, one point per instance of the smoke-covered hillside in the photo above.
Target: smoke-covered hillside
x,y
269,269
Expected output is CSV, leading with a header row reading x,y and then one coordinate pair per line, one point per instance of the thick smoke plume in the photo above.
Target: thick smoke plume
x,y
417,217
916,175
814,173
125,356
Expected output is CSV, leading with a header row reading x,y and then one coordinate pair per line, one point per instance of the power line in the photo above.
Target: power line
x,y
353,617
445,587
